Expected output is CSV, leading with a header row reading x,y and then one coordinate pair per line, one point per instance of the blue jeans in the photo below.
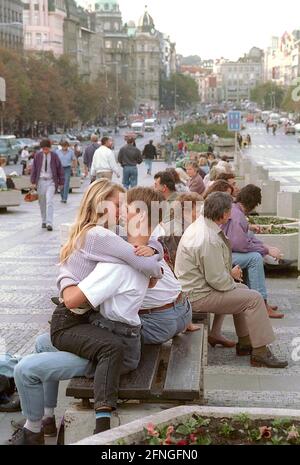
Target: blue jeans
x,y
37,377
254,264
65,192
130,176
160,327
148,164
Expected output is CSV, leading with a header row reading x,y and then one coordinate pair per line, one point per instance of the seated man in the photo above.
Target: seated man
x,y
204,266
248,251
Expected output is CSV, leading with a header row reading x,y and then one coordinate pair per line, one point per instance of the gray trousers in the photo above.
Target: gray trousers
x,y
46,191
248,310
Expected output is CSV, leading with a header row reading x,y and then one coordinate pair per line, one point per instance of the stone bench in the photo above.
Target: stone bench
x,y
166,373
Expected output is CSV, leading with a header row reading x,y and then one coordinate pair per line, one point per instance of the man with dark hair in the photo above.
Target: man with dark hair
x,y
47,176
104,162
204,268
149,153
129,157
164,182
248,251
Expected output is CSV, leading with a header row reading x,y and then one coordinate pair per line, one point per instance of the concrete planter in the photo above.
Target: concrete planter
x,y
22,182
287,243
10,198
75,183
288,203
269,192
133,433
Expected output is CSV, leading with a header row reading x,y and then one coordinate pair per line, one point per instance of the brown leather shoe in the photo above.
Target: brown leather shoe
x,y
24,437
49,427
267,360
273,314
213,341
243,351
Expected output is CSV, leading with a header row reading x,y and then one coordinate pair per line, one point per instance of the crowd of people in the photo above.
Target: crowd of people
x,y
139,261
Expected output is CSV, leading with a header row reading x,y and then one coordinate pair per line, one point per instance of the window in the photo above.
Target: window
x,y
108,44
38,39
107,26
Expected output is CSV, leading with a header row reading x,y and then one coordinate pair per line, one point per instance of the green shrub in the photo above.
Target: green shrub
x,y
188,130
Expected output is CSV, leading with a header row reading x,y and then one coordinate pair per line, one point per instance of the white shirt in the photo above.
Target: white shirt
x,y
118,289
2,174
25,154
104,160
46,174
165,292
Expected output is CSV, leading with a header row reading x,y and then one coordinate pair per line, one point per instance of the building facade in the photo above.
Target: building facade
x,y
11,24
282,59
44,25
83,41
237,79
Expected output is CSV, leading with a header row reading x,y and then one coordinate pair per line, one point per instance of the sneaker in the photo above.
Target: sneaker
x,y
44,226
267,360
49,228
49,427
24,437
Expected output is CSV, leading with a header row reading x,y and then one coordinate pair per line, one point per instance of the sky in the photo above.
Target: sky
x,y
216,28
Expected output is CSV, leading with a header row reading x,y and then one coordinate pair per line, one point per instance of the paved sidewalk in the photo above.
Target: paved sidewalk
x,y
28,270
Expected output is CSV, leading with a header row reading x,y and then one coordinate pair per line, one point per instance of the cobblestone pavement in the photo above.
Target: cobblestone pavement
x,y
28,269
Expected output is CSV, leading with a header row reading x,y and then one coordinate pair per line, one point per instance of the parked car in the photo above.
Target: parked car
x,y
26,142
9,149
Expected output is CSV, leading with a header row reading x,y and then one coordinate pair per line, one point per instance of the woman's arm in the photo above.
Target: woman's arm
x,y
104,246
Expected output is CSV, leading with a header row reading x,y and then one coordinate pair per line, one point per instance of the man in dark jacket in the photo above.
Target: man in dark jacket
x,y
47,175
149,154
89,153
129,157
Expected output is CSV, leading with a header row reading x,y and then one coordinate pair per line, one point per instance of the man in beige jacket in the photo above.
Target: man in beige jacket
x,y
204,268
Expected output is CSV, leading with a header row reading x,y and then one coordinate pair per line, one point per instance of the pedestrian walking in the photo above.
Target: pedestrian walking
x,y
169,150
47,175
69,163
274,129
89,154
129,157
24,159
149,154
104,161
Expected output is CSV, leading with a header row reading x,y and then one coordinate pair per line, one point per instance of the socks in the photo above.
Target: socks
x,y
260,351
102,421
33,426
245,341
49,412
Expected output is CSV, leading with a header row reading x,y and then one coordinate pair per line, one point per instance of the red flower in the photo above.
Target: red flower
x,y
182,443
151,430
193,438
265,432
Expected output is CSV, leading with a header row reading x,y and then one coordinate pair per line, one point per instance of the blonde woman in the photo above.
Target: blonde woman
x,y
2,173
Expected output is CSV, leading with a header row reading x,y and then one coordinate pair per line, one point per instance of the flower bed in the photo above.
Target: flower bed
x,y
273,221
206,425
239,430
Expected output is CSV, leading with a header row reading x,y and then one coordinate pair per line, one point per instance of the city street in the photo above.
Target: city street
x,y
280,154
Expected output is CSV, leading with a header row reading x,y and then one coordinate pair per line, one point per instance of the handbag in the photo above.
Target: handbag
x,y
31,196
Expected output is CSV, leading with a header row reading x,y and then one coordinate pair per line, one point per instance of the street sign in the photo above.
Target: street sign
x,y
2,90
234,120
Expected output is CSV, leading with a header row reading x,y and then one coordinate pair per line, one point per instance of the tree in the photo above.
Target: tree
x,y
292,101
268,95
180,91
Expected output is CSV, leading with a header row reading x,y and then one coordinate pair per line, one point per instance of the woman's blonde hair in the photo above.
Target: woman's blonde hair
x,y
89,214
